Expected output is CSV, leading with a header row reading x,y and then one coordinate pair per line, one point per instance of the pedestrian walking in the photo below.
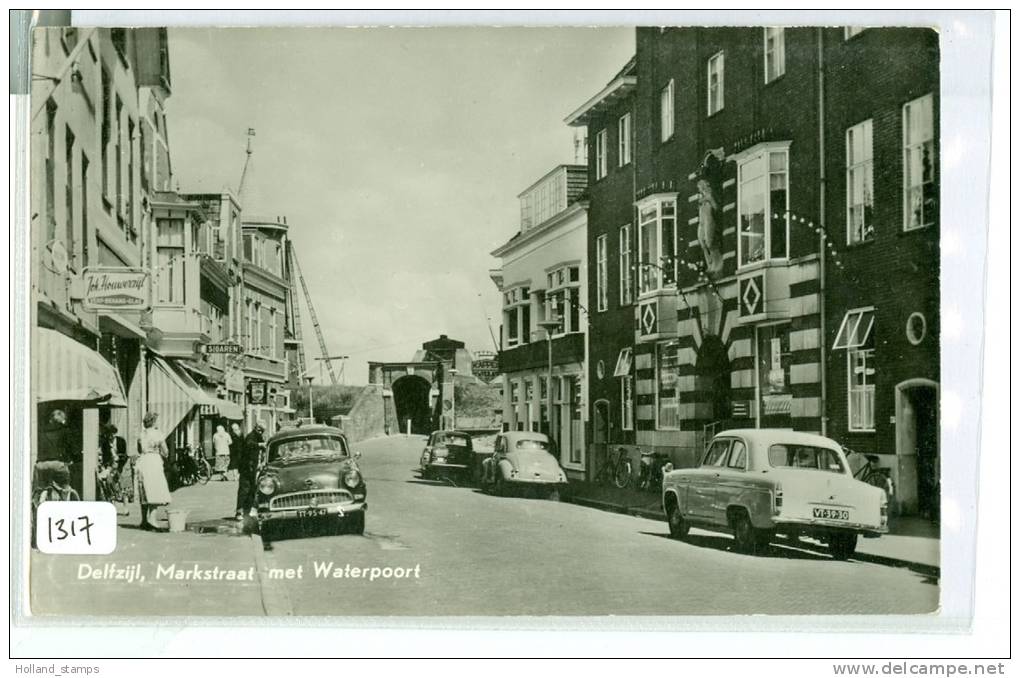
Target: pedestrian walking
x,y
247,467
153,490
236,443
221,447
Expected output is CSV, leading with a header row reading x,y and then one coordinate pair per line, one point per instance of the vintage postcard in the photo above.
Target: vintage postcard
x,y
632,321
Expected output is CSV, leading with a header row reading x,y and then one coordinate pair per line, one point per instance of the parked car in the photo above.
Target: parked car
x,y
756,483
522,460
447,453
310,474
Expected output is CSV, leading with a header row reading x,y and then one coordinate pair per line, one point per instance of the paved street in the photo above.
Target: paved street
x,y
484,555
467,553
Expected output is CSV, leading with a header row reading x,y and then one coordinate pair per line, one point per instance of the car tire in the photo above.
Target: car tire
x,y
748,539
842,546
678,527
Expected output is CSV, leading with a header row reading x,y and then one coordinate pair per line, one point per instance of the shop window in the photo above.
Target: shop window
x,y
667,408
774,360
856,337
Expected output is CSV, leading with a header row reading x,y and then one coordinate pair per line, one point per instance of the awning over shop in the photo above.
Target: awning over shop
x,y
223,408
172,393
63,369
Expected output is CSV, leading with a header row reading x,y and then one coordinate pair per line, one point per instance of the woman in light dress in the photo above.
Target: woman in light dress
x,y
153,490
221,441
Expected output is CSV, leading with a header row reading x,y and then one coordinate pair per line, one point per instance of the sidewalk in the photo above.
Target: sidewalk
x,y
911,542
66,584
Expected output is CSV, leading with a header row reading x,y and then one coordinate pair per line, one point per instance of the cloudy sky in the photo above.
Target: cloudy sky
x,y
396,155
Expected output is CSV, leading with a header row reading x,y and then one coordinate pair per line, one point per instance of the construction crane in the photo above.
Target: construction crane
x,y
296,272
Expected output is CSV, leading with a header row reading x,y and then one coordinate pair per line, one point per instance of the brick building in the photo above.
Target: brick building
x,y
780,180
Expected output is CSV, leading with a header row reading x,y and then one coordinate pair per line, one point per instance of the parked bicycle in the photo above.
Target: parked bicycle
x,y
616,470
873,474
55,485
653,466
191,467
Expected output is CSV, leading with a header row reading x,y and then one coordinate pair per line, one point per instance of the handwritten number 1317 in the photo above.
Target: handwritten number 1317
x,y
79,526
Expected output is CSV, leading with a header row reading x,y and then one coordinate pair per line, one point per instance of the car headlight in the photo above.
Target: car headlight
x,y
352,479
267,484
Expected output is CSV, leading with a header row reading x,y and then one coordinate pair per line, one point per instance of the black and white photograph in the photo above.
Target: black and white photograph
x,y
486,321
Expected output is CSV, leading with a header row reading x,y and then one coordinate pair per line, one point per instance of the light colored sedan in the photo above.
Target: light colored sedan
x,y
755,483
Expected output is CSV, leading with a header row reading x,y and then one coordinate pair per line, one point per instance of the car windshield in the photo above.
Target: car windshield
x,y
452,439
307,447
806,456
532,445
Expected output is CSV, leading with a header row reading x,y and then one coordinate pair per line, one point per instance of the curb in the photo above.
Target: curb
x,y
275,601
641,512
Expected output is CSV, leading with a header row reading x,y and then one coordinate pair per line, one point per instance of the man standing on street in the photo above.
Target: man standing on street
x,y
56,452
247,467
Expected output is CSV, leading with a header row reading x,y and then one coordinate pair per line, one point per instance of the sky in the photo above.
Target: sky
x,y
396,154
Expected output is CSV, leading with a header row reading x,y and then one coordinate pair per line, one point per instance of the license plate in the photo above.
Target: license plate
x,y
831,514
312,512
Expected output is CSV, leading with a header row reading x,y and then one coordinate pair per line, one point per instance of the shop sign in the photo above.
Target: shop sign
x,y
231,349
258,392
115,288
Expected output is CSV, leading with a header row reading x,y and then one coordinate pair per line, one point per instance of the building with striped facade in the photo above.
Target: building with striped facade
x,y
754,293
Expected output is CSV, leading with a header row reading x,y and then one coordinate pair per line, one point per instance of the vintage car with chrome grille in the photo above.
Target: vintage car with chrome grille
x,y
311,474
447,453
523,461
756,483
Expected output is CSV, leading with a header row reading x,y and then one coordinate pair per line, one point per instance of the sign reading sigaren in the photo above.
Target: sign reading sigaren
x,y
125,289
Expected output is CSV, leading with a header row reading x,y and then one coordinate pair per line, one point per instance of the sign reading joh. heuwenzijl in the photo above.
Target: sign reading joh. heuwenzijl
x,y
116,288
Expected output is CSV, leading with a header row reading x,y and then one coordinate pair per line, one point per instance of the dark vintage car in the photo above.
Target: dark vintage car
x,y
311,474
523,461
448,453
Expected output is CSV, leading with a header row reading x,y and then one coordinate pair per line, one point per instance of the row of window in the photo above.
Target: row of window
x,y
560,301
530,413
763,203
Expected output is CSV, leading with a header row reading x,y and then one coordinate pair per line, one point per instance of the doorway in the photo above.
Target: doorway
x,y
917,446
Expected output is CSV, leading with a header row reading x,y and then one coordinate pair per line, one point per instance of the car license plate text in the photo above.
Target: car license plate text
x,y
831,514
311,512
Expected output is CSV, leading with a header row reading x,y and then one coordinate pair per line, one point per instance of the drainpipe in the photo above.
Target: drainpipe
x,y
821,239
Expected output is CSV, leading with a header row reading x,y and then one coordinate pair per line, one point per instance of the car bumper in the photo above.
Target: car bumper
x,y
815,526
441,466
322,511
535,481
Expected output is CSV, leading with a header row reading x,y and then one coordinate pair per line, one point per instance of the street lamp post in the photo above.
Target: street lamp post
x,y
453,398
549,326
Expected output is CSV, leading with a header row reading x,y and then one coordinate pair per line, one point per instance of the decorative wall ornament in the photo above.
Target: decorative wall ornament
x,y
709,190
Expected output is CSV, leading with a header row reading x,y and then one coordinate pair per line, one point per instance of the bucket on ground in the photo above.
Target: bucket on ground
x,y
178,520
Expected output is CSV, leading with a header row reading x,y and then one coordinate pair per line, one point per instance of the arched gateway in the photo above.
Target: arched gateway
x,y
411,394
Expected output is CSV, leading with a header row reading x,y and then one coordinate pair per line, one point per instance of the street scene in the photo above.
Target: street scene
x,y
615,321
465,552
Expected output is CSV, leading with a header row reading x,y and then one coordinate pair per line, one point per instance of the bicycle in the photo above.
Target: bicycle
x,y
654,465
616,470
53,490
191,468
873,474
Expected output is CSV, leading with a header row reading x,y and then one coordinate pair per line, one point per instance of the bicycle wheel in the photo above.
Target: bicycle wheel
x,y
621,475
203,471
